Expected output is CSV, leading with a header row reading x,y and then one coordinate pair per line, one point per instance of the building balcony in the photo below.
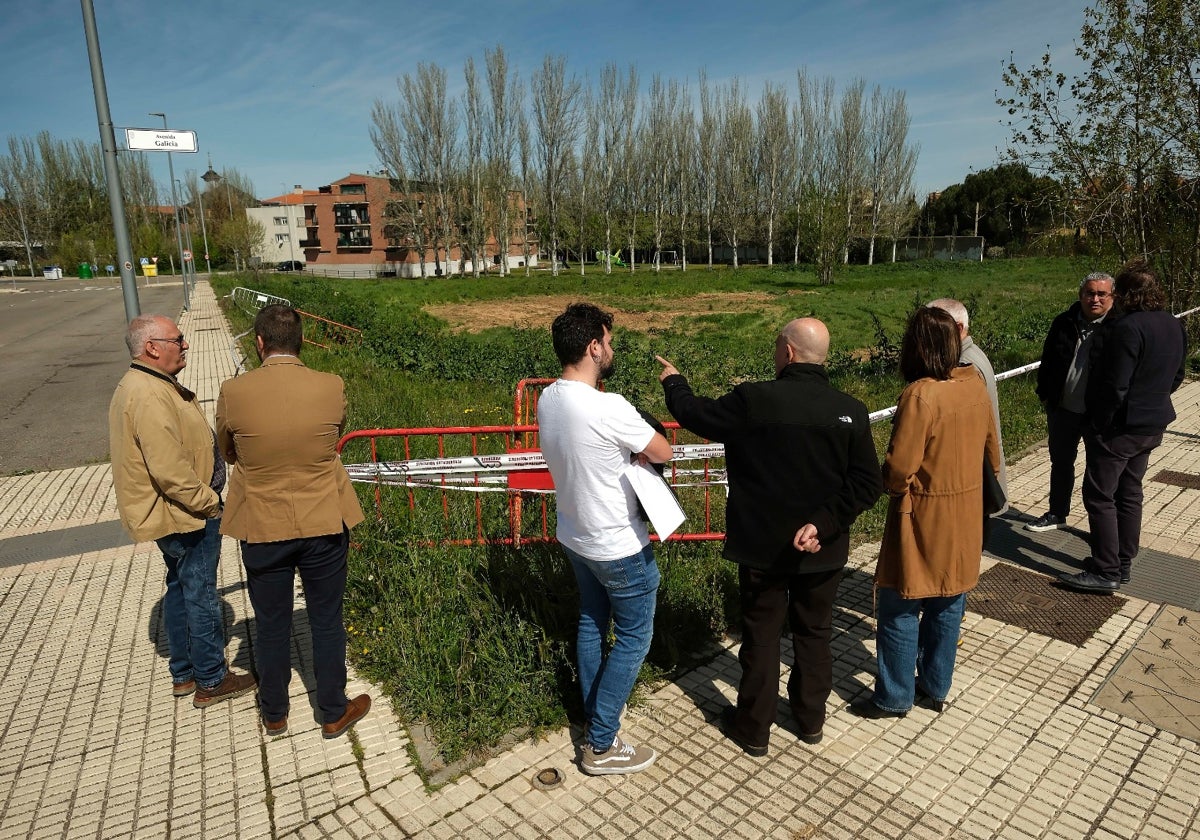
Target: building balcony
x,y
310,243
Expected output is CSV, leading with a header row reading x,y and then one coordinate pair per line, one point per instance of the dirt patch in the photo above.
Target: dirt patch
x,y
539,311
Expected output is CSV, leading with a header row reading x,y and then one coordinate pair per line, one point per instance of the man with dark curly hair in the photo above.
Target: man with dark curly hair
x,y
1129,406
589,437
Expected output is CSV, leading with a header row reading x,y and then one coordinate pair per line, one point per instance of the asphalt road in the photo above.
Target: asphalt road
x,y
62,350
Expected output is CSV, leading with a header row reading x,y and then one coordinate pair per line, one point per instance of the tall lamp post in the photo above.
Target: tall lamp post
x,y
287,214
187,297
189,266
204,231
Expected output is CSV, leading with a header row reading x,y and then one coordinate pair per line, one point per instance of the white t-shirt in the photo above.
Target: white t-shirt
x,y
587,437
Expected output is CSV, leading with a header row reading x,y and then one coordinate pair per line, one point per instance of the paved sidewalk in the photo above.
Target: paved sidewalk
x,y
93,745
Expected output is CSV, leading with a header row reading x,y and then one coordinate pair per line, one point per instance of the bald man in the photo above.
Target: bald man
x,y
802,467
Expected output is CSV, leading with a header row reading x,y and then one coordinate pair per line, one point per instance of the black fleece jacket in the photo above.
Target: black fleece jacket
x,y
797,451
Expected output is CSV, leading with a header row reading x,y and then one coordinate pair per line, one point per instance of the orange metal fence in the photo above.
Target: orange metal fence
x,y
321,332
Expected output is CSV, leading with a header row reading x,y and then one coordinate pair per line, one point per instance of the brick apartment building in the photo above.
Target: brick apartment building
x,y
344,229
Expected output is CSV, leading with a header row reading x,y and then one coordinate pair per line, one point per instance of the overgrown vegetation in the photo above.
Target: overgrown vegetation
x,y
476,642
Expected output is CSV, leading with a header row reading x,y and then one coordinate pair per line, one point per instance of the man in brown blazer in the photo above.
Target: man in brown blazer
x,y
291,505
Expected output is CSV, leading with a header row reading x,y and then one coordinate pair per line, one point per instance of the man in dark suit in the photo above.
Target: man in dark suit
x,y
291,505
802,467
1129,407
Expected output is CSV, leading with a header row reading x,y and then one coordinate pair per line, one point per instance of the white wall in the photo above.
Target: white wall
x,y
280,241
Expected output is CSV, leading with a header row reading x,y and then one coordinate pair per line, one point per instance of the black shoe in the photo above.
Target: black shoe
x,y
1045,522
867,709
728,715
1089,582
927,702
813,739
1125,574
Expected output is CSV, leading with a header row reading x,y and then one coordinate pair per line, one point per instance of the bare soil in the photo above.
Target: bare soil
x,y
539,311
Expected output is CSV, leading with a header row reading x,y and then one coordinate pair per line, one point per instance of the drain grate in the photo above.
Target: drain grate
x,y
1032,601
1189,481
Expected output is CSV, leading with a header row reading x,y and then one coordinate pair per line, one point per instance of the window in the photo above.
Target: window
x,y
351,214
354,189
281,238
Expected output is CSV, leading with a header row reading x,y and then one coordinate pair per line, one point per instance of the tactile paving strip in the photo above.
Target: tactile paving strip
x,y
1036,603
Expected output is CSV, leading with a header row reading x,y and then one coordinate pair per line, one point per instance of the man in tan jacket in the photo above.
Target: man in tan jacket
x,y
291,505
168,484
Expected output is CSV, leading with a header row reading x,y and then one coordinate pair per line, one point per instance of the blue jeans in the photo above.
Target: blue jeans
x,y
191,611
623,591
916,642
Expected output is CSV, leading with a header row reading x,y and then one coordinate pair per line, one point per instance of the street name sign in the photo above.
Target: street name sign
x,y
159,140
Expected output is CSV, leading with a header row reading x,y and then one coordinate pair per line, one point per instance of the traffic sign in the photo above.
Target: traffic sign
x,y
144,261
128,265
187,256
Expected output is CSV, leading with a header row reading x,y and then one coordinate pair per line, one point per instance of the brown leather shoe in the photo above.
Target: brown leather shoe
x,y
183,689
234,685
277,727
356,710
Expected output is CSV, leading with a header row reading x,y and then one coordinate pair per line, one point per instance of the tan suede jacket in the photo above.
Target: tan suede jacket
x,y
162,456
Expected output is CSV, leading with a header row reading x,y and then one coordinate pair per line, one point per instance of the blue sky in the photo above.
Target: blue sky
x,y
283,91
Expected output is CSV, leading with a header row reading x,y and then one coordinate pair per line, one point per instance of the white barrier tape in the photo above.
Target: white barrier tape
x,y
514,462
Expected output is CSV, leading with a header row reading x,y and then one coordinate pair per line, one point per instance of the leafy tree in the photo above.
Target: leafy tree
x,y
1123,135
1008,203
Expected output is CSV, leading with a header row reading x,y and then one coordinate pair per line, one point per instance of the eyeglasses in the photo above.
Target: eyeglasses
x,y
178,341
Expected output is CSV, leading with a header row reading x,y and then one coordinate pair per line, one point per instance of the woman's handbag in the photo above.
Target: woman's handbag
x,y
993,494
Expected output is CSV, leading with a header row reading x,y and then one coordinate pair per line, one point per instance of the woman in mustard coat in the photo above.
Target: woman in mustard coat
x,y
933,535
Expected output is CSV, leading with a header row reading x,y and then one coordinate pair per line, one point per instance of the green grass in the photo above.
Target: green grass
x,y
476,642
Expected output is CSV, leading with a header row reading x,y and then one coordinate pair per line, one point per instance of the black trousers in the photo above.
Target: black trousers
x,y
1064,430
806,602
270,572
1112,494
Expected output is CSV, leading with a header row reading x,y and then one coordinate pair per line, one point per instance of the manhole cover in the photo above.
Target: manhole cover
x,y
1033,602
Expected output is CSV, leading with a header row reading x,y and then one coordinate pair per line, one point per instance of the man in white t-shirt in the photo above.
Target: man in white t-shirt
x,y
588,437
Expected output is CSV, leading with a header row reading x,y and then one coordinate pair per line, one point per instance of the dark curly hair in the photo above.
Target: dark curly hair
x,y
1136,288
931,345
576,328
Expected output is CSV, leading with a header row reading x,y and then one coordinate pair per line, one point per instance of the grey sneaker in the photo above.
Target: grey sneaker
x,y
618,758
1045,522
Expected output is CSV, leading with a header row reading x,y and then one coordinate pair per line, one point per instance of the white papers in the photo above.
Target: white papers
x,y
657,499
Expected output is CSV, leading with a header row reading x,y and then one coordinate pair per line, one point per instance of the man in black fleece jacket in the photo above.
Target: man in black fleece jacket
x,y
1072,343
802,467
